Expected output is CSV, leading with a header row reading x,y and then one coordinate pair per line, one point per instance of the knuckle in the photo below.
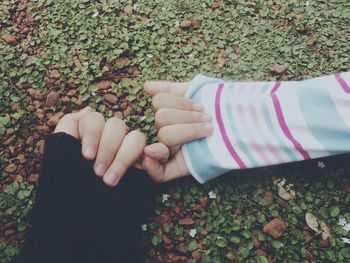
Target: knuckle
x,y
160,117
139,136
157,99
165,137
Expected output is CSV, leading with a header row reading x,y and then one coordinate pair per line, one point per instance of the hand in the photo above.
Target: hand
x,y
178,120
108,142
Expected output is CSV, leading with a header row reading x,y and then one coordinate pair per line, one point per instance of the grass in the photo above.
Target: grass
x,y
69,47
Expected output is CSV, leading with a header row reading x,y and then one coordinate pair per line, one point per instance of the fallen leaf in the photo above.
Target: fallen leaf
x,y
275,228
317,225
9,39
185,24
186,221
279,69
52,98
284,191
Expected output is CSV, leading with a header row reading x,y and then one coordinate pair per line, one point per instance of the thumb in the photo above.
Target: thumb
x,y
159,168
174,88
69,123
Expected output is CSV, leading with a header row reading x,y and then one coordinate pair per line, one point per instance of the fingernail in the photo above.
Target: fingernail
x,y
150,150
198,107
206,118
208,129
100,169
90,152
110,179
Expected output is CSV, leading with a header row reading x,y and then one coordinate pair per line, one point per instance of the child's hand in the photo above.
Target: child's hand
x,y
106,141
178,120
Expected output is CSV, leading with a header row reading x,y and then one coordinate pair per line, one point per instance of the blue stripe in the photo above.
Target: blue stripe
x,y
322,117
278,137
202,160
264,88
229,110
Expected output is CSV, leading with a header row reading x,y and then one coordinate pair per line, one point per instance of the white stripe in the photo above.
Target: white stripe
x,y
340,98
295,120
232,134
240,96
277,127
215,141
264,131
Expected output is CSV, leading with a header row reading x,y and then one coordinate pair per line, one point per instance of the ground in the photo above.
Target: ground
x,y
60,55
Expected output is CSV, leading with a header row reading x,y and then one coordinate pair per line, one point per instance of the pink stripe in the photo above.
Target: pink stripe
x,y
222,127
273,149
252,143
283,123
342,83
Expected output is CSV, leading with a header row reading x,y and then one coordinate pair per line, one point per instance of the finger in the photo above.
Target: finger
x,y
69,122
174,88
164,100
90,130
181,133
157,151
129,152
167,116
160,173
161,152
112,136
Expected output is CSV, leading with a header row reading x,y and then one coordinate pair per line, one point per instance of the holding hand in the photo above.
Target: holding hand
x,y
178,120
108,142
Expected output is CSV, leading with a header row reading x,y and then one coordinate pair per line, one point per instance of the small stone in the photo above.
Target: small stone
x,y
324,243
33,178
312,41
104,84
39,148
268,197
52,98
40,113
275,228
196,255
182,248
71,92
196,24
9,39
43,130
185,24
128,9
18,178
53,121
124,105
177,209
38,96
215,5
9,232
54,74
15,106
21,158
77,63
127,111
166,240
186,221
119,115
10,131
110,98
279,69
10,168
260,252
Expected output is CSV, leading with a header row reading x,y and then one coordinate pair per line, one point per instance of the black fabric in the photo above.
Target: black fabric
x,y
77,218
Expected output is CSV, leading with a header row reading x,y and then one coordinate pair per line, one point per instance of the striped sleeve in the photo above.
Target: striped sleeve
x,y
265,123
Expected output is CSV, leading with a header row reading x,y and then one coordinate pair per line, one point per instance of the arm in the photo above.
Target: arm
x,y
266,123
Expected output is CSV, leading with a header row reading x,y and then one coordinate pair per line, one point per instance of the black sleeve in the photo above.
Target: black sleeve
x,y
77,218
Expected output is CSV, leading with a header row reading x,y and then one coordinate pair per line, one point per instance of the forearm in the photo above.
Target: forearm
x,y
266,123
